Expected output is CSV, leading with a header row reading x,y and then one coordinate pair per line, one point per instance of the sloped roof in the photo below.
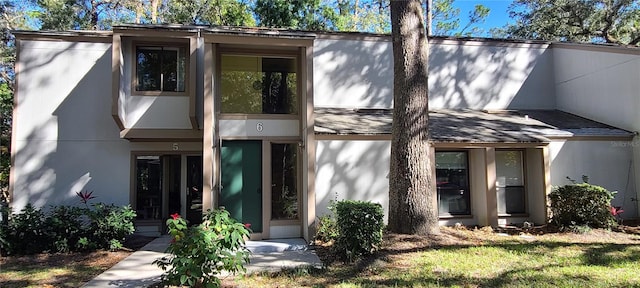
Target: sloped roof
x,y
513,126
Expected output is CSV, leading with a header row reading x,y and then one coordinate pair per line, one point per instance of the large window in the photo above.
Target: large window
x,y
258,85
160,68
452,176
510,182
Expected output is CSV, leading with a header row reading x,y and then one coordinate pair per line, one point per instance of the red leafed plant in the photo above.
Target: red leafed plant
x,y
85,196
616,211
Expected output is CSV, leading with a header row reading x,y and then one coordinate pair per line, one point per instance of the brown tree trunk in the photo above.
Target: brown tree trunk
x,y
412,195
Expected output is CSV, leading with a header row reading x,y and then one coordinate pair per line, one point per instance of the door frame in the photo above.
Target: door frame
x,y
160,149
267,223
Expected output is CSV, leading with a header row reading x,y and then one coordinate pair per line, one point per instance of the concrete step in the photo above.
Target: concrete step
x,y
277,245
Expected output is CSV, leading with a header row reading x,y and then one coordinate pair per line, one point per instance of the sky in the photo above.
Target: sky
x,y
498,15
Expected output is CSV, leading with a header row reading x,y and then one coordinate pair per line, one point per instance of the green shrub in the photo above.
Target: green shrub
x,y
27,231
64,228
327,229
109,223
581,205
360,226
200,252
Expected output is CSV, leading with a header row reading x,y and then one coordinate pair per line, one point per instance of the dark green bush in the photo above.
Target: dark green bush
x,y
360,226
110,224
581,205
65,229
27,231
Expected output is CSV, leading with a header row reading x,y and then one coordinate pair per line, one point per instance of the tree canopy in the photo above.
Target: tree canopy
x,y
608,21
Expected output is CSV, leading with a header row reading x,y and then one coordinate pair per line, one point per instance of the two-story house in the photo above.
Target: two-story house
x,y
274,124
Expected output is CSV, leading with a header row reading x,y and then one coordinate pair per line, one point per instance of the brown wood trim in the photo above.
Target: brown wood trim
x,y
167,147
619,49
116,52
354,36
188,89
134,134
358,36
593,138
492,204
193,62
309,227
146,33
464,145
532,44
267,138
237,116
71,36
209,194
258,39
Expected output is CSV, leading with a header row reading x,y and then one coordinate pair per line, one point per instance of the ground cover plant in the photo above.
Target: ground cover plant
x,y
466,257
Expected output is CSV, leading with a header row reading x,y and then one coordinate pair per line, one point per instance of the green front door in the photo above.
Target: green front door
x,y
241,180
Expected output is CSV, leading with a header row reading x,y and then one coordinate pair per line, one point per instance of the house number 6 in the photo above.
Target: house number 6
x,y
259,127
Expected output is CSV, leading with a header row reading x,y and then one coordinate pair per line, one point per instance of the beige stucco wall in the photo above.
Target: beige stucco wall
x,y
603,84
352,73
358,170
352,169
606,163
65,139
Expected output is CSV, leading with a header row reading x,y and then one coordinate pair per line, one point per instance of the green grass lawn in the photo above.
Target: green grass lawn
x,y
601,259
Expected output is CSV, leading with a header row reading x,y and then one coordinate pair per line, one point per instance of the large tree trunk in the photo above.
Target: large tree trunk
x,y
412,195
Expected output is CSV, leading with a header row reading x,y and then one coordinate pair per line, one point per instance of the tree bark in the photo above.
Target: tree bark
x,y
412,195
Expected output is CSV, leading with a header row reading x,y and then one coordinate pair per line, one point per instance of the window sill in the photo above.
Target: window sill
x,y
455,216
514,215
159,93
240,116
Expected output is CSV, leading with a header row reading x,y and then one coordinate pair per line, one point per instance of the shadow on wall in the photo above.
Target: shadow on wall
x,y
353,73
354,170
606,163
356,74
490,77
68,141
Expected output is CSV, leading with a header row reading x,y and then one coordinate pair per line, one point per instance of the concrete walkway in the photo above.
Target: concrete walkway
x,y
270,255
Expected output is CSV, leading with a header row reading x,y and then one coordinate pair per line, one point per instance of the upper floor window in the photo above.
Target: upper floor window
x,y
452,178
160,68
259,84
